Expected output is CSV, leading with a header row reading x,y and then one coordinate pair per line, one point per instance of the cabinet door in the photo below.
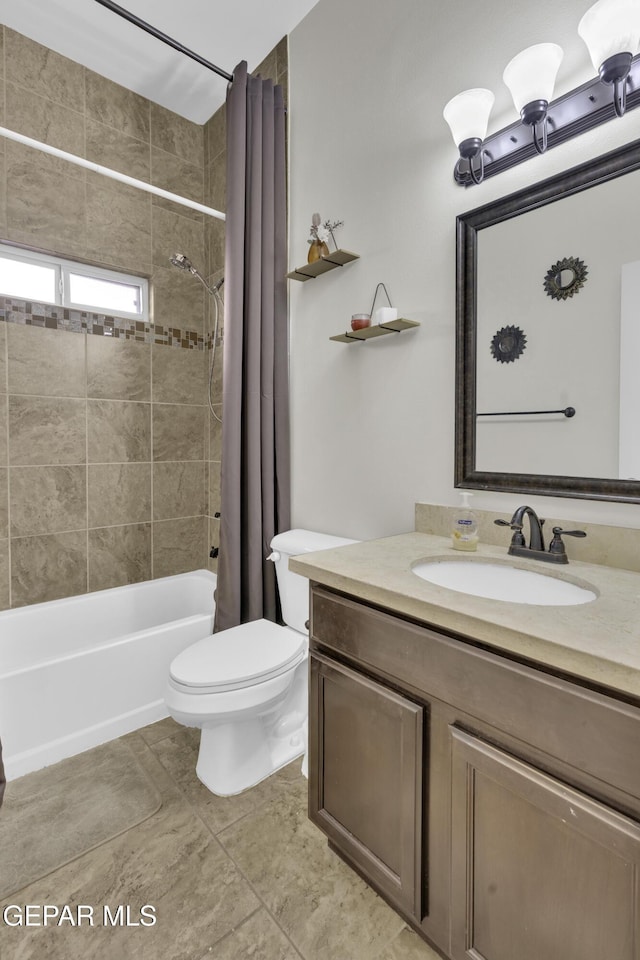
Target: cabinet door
x,y
365,776
540,871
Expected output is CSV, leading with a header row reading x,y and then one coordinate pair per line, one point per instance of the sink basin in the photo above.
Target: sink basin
x,y
501,581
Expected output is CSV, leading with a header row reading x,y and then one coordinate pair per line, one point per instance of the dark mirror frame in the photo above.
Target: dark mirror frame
x,y
604,168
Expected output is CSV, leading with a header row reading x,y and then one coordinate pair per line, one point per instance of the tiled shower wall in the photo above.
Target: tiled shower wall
x,y
106,440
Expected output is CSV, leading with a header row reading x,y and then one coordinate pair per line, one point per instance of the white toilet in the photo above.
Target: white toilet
x,y
247,687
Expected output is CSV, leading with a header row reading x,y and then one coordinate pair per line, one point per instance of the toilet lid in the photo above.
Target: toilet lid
x,y
238,657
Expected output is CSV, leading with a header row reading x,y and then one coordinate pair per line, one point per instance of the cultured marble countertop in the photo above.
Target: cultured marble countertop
x,y
597,641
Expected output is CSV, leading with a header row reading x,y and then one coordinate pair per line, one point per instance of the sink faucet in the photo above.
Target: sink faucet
x,y
518,546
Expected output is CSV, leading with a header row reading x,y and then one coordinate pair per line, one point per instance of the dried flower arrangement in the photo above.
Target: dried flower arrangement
x,y
322,231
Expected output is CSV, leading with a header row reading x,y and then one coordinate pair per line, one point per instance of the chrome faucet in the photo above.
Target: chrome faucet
x,y
518,546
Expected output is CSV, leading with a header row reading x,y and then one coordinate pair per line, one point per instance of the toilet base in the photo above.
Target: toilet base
x,y
236,756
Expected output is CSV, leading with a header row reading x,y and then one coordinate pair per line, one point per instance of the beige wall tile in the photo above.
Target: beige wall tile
x,y
4,575
48,567
118,224
268,69
176,135
179,375
45,208
119,493
48,499
216,382
216,133
178,432
178,298
172,232
215,434
118,369
4,453
178,489
45,362
214,488
3,357
36,116
117,107
4,503
118,432
43,71
179,546
46,430
3,190
217,183
215,242
282,55
180,177
119,555
113,148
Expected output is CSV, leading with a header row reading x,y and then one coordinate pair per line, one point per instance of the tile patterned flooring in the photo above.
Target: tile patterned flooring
x,y
230,878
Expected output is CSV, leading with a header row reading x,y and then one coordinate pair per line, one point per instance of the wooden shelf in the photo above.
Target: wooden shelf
x,y
377,330
310,270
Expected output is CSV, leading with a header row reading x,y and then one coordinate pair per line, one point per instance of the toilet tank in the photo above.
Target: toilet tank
x,y
294,589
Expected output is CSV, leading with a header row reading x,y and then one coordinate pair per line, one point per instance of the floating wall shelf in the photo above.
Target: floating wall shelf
x,y
377,330
310,270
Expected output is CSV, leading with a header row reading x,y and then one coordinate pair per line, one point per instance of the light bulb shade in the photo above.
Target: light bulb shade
x,y
531,75
610,27
468,114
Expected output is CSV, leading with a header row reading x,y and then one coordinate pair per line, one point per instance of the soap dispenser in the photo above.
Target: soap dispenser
x,y
464,532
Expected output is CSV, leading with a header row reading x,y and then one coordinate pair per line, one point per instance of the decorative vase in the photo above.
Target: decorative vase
x,y
317,250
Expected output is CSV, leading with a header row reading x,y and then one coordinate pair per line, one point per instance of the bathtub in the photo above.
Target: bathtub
x,y
75,673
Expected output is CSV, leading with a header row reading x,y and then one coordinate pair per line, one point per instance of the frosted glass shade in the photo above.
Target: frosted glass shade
x,y
468,114
610,27
531,75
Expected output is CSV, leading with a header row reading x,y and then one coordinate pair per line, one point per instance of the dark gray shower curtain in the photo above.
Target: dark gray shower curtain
x,y
255,489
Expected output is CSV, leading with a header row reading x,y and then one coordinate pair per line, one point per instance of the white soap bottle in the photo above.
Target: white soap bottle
x,y
464,531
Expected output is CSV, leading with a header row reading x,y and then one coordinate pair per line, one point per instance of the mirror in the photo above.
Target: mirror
x,y
548,336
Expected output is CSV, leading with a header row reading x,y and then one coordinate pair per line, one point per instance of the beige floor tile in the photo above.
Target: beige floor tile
x,y
259,938
408,946
325,909
159,730
179,754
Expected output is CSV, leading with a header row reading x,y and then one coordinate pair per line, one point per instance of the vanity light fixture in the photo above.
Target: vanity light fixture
x,y
468,117
531,77
611,31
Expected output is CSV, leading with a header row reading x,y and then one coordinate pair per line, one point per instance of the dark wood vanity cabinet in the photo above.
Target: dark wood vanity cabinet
x,y
494,805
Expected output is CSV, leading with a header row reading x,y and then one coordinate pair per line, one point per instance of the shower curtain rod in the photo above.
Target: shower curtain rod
x,y
108,172
159,35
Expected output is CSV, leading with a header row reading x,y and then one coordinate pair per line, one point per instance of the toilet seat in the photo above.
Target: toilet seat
x,y
240,657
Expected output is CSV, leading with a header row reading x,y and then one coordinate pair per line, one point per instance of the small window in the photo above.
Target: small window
x,y
79,286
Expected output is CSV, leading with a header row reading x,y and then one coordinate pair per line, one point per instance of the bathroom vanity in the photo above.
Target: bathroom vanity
x,y
477,761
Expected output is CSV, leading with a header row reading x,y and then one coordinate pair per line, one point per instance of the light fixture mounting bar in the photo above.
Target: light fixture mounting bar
x,y
574,113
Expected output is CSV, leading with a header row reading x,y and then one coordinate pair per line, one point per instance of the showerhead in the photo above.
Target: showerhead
x,y
181,261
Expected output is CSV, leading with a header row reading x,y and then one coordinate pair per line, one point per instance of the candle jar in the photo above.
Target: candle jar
x,y
360,320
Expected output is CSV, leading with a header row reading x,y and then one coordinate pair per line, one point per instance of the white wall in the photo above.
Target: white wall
x,y
373,424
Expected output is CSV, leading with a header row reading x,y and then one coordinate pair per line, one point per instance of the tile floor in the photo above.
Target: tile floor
x,y
248,876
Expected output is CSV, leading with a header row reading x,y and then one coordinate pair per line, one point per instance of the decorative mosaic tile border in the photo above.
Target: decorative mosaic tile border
x,y
99,324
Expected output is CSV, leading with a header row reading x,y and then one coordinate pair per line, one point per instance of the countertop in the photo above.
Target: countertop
x,y
597,641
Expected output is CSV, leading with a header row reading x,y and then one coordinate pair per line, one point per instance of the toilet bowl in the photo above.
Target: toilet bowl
x,y
247,687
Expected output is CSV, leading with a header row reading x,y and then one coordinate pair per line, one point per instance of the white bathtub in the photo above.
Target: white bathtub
x,y
75,673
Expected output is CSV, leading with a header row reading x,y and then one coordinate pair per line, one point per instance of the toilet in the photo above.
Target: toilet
x,y
247,687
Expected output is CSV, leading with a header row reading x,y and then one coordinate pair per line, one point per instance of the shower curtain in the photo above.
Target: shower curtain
x,y
255,487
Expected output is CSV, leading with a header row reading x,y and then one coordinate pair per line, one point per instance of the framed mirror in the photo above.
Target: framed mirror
x,y
548,336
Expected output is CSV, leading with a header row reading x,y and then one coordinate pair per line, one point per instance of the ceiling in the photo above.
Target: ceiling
x,y
224,32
